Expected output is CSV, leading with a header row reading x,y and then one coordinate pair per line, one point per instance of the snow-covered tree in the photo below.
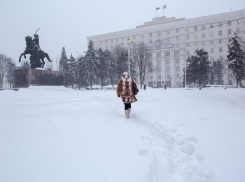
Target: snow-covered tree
x,y
103,66
63,66
236,58
63,59
10,67
216,73
71,72
90,63
198,69
7,67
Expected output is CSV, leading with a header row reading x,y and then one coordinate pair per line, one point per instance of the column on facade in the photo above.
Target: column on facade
x,y
163,70
154,61
172,69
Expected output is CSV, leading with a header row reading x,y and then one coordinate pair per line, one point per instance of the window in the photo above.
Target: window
x,y
159,33
177,60
220,41
151,77
159,76
128,38
203,35
168,76
168,68
203,43
220,32
238,22
167,32
142,35
229,31
150,34
187,29
106,41
221,49
116,39
195,27
229,23
195,43
106,48
177,38
111,40
176,53
158,55
111,47
187,37
177,68
195,35
211,42
150,41
133,36
168,61
167,53
177,30
187,45
203,26
220,24
212,50
211,34
177,45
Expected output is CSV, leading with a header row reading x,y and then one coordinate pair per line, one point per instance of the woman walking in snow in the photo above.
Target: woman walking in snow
x,y
125,91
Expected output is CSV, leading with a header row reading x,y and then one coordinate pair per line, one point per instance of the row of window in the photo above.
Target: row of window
x,y
195,28
188,37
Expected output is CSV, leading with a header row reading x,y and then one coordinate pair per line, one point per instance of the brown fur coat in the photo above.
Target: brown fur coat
x,y
125,89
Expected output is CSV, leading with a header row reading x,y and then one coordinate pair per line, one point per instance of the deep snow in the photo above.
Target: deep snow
x,y
54,134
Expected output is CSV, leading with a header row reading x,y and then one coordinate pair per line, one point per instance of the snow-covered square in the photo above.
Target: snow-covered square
x,y
55,134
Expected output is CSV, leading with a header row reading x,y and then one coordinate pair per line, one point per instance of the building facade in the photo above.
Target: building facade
x,y
172,40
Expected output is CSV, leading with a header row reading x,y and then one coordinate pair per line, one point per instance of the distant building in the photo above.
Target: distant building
x,y
173,40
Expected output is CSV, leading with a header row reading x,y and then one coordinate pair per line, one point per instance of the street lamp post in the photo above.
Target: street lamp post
x,y
180,81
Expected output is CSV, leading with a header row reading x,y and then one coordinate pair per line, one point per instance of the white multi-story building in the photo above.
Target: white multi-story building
x,y
172,40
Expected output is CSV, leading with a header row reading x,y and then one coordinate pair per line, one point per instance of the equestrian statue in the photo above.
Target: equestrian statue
x,y
37,55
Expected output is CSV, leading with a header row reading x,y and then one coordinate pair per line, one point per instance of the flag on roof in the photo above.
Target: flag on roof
x,y
157,8
165,6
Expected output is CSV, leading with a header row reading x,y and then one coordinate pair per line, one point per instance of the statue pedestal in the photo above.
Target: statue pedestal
x,y
26,77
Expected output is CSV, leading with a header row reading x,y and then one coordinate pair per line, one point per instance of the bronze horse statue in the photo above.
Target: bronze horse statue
x,y
36,53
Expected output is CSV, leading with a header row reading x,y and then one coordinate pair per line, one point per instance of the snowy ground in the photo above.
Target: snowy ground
x,y
54,134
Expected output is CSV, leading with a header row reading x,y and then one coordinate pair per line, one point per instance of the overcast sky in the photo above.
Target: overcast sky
x,y
67,23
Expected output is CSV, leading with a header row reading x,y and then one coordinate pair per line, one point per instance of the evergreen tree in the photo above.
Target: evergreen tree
x,y
71,72
63,59
236,58
91,63
63,66
103,66
198,69
218,72
81,73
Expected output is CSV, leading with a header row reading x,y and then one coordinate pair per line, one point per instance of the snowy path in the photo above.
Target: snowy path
x,y
173,135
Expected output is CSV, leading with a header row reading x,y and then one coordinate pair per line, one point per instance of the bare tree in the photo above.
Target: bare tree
x,y
7,67
142,57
